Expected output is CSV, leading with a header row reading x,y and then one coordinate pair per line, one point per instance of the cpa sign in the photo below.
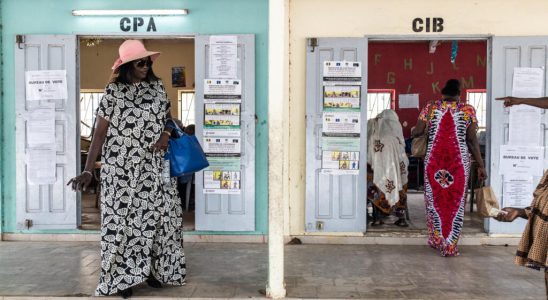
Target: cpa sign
x,y
135,23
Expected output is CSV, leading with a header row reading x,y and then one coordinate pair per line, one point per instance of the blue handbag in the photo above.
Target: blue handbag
x,y
184,153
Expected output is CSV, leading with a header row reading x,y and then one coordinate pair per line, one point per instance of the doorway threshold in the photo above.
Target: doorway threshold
x,y
405,238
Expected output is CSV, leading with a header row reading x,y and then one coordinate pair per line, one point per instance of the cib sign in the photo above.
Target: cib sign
x,y
136,23
427,25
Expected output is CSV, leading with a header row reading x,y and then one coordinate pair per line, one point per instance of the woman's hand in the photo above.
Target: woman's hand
x,y
510,101
81,182
482,174
161,144
510,215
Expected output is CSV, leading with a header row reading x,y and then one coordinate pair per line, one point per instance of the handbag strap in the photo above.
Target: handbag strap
x,y
171,124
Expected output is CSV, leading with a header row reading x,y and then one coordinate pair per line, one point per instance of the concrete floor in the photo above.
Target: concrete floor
x,y
224,270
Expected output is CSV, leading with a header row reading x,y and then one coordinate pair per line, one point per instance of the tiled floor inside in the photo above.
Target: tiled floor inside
x,y
473,223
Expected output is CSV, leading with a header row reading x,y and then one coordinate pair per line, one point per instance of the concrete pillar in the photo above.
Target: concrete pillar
x,y
278,66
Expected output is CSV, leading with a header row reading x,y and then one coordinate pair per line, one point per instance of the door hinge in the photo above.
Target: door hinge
x,y
19,39
313,43
28,223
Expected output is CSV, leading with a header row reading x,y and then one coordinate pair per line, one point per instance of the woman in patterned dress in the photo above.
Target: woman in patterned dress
x,y
452,127
141,217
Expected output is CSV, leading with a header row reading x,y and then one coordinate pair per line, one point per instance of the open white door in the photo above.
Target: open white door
x,y
227,210
334,203
507,54
48,206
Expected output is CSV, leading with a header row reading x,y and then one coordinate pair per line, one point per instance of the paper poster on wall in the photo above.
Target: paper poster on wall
x,y
525,120
222,145
517,191
340,162
342,71
340,155
178,77
524,125
46,85
528,82
521,160
41,126
222,90
223,176
41,166
223,55
341,123
345,97
226,115
408,101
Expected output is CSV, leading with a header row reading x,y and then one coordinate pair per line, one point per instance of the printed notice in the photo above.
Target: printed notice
x,y
222,90
223,176
524,125
340,162
521,160
408,101
341,123
41,166
46,85
222,145
41,126
517,191
223,54
222,115
524,119
342,71
337,97
528,82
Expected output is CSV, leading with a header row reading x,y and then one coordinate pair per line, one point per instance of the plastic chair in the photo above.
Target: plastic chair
x,y
188,180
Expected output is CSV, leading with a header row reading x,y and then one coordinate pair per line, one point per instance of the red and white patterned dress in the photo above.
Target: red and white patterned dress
x,y
447,166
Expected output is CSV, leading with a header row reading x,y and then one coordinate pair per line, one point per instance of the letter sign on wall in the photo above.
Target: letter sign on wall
x,y
133,24
427,25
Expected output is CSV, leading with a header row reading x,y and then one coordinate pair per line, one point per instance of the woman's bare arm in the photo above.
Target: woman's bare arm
x,y
536,102
82,181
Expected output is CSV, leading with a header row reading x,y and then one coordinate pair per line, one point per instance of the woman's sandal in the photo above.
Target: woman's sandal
x,y
127,293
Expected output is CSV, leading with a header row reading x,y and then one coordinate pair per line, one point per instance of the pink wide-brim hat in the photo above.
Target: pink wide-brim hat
x,y
132,50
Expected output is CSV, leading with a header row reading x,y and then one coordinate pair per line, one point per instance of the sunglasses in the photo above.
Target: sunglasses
x,y
142,62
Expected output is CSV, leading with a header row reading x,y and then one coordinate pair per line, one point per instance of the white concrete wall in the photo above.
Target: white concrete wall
x,y
357,18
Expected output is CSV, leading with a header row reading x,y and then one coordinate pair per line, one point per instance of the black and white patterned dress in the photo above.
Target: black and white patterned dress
x,y
141,218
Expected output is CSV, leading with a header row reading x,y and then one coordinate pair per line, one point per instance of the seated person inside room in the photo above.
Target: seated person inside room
x,y
387,168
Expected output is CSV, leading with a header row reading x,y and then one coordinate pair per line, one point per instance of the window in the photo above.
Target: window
x,y
476,98
378,100
186,107
89,101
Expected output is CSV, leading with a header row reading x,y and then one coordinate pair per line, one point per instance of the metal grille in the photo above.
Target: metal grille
x,y
89,101
186,107
377,102
477,100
